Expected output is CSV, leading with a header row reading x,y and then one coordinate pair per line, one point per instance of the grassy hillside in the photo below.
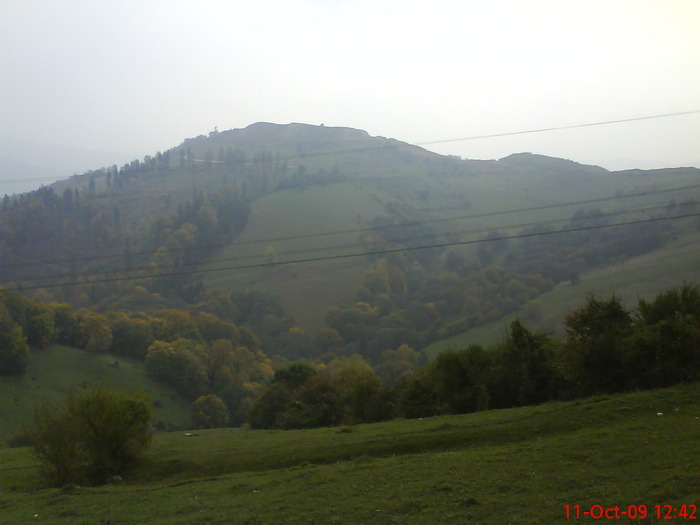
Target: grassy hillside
x,y
636,278
477,200
305,290
276,172
507,466
56,371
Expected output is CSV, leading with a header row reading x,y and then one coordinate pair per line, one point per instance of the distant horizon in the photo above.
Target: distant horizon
x,y
410,70
77,161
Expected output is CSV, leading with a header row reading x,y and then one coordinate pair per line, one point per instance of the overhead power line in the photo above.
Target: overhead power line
x,y
399,144
393,144
358,254
558,128
272,240
378,243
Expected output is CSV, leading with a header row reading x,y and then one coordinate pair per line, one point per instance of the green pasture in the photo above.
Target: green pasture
x,y
460,198
517,466
636,278
293,222
56,371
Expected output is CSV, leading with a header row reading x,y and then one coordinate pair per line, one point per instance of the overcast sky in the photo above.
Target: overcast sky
x,y
136,77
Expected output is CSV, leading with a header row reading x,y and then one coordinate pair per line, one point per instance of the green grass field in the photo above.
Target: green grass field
x,y
471,202
638,277
475,194
515,466
56,371
305,290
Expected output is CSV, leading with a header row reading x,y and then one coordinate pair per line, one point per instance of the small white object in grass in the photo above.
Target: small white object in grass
x,y
659,413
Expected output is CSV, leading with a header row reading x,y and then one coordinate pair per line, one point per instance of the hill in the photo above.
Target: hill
x,y
56,371
631,279
521,465
307,214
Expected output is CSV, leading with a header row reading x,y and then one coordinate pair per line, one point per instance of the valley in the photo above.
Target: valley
x,y
304,276
332,262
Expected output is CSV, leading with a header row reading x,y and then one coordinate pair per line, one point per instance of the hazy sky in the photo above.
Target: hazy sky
x,y
136,77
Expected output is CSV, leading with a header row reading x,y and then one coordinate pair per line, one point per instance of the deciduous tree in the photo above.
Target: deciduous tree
x,y
14,350
209,412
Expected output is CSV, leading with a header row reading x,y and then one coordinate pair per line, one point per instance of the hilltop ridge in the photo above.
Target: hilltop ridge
x,y
189,218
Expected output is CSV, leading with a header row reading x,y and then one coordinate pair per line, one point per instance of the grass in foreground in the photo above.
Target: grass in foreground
x,y
507,466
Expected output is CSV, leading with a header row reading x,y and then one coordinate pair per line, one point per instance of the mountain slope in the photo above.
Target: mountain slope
x,y
230,204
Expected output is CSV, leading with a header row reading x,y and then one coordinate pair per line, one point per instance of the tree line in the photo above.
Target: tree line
x,y
82,241
99,434
607,349
220,366
196,353
90,230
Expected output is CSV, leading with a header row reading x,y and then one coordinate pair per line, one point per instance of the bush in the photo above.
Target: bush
x,y
264,413
210,412
96,435
14,351
180,364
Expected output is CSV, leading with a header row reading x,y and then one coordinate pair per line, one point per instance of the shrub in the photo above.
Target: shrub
x,y
14,351
96,435
265,412
209,412
180,364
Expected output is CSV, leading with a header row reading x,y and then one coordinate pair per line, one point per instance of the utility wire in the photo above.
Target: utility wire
x,y
356,230
374,244
399,144
358,254
438,235
392,145
558,128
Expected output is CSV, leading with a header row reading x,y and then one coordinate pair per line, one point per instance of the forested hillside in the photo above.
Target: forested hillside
x,y
228,210
242,252
221,369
